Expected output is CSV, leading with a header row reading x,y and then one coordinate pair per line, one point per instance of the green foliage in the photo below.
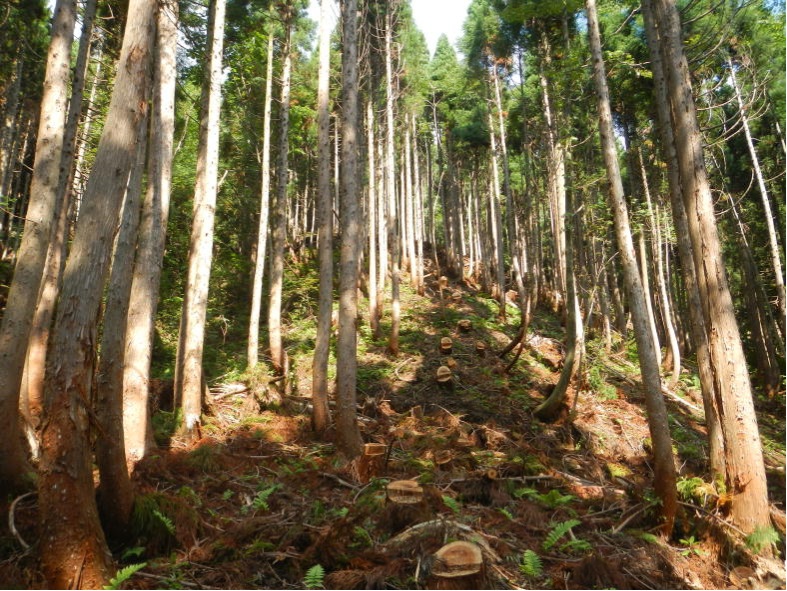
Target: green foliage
x,y
205,458
314,577
508,515
166,521
530,565
260,500
761,538
551,500
695,489
691,548
558,531
124,574
452,504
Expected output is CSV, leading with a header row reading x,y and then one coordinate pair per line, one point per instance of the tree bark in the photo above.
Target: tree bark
x,y
743,452
252,352
31,257
140,331
390,187
73,548
321,415
699,335
664,478
33,380
279,217
115,494
189,383
348,436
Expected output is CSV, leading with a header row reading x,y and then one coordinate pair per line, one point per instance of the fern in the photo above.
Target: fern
x,y
687,486
554,499
530,565
260,500
558,532
451,503
314,577
124,574
761,538
507,513
165,520
578,546
647,536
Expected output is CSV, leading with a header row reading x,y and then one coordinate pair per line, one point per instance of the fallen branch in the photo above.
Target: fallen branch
x,y
664,390
12,525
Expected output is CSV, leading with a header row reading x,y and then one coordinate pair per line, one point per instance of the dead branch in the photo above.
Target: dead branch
x,y
12,525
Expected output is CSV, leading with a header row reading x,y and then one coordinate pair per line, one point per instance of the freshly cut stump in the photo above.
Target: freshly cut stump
x,y
406,505
446,346
480,348
445,378
458,565
405,492
372,462
464,325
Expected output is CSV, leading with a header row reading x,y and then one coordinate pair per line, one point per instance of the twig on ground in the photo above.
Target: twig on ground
x,y
339,480
639,509
12,524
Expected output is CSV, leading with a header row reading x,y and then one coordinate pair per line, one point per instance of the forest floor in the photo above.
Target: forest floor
x,y
259,502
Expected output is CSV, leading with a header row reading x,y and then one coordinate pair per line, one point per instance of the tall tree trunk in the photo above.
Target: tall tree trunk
x,y
140,331
252,351
496,224
189,385
664,478
33,381
745,466
374,315
348,436
31,257
660,278
115,494
73,549
321,415
390,187
699,335
279,217
773,241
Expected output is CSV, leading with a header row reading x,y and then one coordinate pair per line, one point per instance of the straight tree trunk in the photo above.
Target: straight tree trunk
x,y
496,224
279,217
743,451
348,436
73,549
189,385
140,331
31,257
699,334
33,381
390,188
115,494
664,478
773,241
252,352
374,315
321,415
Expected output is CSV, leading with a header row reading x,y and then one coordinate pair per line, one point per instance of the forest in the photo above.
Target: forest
x,y
291,302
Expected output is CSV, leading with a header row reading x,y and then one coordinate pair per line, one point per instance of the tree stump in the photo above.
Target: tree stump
x,y
480,348
446,346
445,379
464,325
458,565
405,506
442,284
371,463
